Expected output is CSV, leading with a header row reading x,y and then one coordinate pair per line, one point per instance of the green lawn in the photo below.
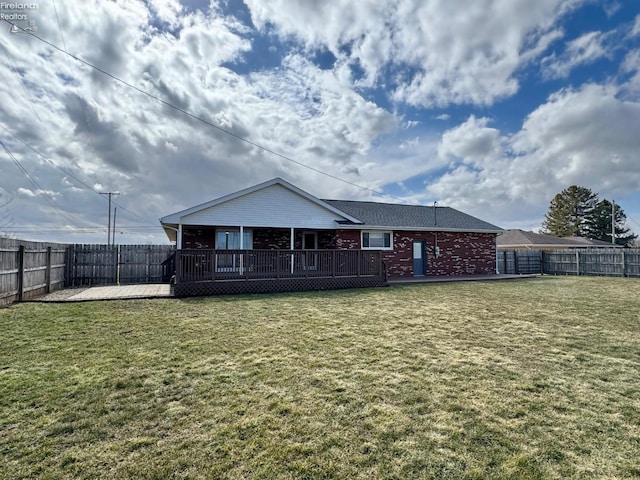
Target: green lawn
x,y
527,379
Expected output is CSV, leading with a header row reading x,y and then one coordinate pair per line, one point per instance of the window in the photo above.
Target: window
x,y
229,239
376,240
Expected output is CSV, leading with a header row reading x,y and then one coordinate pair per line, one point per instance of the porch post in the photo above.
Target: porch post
x,y
292,242
241,247
179,239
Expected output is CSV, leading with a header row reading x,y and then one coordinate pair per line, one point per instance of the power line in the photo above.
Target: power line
x,y
200,119
39,187
66,172
80,102
24,89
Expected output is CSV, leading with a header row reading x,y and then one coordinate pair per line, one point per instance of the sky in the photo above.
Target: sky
x,y
488,106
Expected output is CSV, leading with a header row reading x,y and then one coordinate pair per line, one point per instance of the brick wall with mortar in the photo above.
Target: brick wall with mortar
x,y
198,237
460,253
263,238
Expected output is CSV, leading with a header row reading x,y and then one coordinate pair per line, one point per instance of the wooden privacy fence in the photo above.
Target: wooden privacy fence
x,y
519,261
116,264
619,262
29,269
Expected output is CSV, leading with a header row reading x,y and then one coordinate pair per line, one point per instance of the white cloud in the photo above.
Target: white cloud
x,y
586,136
117,139
636,26
35,193
584,50
444,52
416,53
472,142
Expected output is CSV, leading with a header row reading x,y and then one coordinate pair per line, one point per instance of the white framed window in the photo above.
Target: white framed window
x,y
229,239
377,240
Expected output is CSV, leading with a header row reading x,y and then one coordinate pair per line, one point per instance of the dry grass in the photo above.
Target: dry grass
x,y
530,379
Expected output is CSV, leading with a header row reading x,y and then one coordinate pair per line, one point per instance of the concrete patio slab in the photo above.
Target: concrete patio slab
x,y
122,292
458,278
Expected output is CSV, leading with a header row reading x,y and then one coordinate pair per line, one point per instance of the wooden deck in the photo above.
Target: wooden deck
x,y
214,272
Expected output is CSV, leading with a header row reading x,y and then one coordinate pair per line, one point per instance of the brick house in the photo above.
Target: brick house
x,y
276,215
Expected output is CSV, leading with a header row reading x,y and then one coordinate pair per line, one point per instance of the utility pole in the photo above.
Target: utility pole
x,y
109,195
113,240
613,222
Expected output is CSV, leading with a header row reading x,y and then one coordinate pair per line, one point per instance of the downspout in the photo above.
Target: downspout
x,y
495,249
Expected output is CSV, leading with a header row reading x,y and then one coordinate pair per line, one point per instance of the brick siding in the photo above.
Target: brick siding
x,y
460,253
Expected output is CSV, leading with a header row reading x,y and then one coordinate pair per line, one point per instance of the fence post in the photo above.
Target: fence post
x,y
624,263
20,272
541,262
47,273
577,262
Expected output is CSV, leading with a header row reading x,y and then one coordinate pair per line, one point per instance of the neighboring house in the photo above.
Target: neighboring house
x,y
276,215
524,240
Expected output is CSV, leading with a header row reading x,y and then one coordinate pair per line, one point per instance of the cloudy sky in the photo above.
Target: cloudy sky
x,y
488,106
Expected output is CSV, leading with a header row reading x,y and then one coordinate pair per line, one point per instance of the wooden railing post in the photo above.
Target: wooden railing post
x,y
178,267
334,264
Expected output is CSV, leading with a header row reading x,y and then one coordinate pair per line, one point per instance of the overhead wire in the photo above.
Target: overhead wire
x,y
202,120
84,116
44,126
39,189
24,89
66,172
80,102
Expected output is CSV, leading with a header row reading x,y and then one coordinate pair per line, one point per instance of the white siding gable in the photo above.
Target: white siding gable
x,y
273,206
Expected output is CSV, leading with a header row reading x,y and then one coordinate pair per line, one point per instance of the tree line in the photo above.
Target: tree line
x,y
577,211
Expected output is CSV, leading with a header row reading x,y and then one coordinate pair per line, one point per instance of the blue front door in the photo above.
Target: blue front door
x,y
419,263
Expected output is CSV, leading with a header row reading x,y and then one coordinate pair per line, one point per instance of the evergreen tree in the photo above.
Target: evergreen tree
x,y
569,212
599,225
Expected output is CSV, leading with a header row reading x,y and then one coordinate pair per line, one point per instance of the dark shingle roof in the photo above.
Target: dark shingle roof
x,y
411,216
518,237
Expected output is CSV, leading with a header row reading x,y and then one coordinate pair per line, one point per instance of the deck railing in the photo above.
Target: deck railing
x,y
210,265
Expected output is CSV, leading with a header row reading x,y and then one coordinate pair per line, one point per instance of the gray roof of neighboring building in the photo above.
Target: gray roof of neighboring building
x,y
411,216
517,237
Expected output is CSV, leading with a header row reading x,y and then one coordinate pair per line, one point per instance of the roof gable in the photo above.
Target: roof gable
x,y
275,203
